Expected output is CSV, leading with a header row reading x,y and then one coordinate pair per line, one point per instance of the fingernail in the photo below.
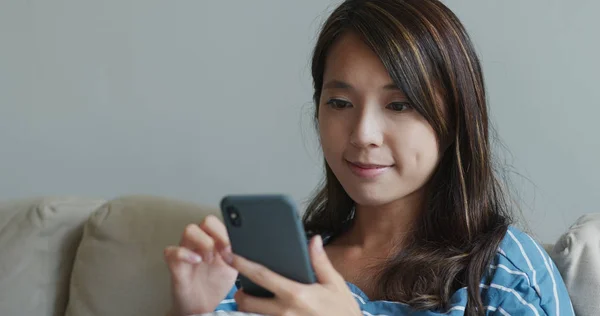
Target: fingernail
x,y
227,255
195,258
319,243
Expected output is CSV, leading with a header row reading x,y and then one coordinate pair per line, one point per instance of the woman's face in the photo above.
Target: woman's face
x,y
379,148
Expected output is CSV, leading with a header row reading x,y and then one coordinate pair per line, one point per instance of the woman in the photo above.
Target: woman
x,y
412,216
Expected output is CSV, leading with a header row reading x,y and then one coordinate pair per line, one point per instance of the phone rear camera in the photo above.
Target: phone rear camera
x,y
234,216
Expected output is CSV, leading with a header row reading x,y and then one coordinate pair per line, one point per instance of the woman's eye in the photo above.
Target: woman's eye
x,y
338,104
399,106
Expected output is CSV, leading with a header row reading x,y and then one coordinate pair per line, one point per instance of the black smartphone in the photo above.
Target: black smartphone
x,y
267,229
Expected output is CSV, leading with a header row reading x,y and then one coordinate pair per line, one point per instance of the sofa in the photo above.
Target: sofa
x,y
78,256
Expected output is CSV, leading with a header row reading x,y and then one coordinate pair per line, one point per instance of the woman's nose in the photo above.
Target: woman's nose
x,y
367,129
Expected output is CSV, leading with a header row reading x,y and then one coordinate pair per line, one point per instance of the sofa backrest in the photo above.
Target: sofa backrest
x,y
119,268
88,257
38,241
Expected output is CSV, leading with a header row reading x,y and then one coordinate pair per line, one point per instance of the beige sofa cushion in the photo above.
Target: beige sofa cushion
x,y
38,238
577,256
119,268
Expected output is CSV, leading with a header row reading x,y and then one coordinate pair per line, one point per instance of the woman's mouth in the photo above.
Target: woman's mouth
x,y
366,169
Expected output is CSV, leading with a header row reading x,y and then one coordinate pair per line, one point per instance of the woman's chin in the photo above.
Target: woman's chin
x,y
366,197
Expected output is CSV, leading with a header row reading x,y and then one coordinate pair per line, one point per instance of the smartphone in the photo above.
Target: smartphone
x,y
267,229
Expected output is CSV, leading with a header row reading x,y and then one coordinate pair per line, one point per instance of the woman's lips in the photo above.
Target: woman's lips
x,y
367,170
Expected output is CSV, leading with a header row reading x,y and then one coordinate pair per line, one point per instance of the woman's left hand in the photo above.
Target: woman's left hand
x,y
328,296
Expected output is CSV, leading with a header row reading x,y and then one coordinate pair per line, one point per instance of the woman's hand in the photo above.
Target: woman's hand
x,y
329,296
200,278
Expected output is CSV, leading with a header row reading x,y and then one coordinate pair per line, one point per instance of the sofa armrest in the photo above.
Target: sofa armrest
x,y
577,257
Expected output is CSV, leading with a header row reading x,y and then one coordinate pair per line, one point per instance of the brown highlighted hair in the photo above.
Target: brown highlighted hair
x,y
428,54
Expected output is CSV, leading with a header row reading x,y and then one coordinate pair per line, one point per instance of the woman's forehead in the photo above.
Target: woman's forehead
x,y
351,61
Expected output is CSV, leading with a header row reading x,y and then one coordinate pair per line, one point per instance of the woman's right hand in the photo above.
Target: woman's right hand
x,y
200,277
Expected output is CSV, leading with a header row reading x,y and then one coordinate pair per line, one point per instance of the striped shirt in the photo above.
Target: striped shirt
x,y
522,280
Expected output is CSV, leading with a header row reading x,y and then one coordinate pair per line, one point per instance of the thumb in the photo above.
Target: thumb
x,y
324,270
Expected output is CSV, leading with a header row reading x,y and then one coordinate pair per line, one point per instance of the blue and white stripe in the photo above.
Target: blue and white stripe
x,y
522,280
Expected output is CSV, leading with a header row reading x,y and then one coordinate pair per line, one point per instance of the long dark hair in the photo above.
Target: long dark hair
x,y
427,53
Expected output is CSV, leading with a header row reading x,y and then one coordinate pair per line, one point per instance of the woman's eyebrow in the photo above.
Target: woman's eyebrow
x,y
339,84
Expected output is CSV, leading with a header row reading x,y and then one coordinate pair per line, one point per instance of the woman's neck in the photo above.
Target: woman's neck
x,y
385,227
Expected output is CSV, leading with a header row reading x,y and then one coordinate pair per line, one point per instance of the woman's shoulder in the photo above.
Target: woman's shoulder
x,y
522,252
523,273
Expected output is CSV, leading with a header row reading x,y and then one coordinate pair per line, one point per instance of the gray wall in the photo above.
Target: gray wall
x,y
541,62
197,99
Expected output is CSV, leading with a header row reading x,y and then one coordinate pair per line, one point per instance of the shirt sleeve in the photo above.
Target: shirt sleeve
x,y
228,303
526,302
526,281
